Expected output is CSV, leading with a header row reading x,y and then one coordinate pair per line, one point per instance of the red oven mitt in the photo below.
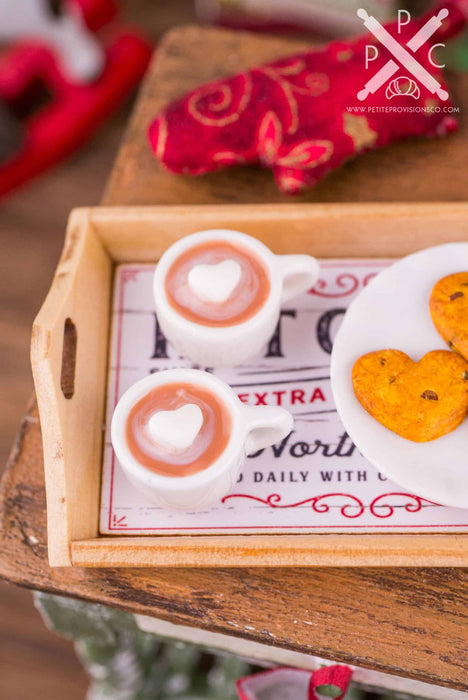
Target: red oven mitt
x,y
301,115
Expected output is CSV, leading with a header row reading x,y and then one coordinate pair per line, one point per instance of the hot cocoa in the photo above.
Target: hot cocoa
x,y
178,429
217,283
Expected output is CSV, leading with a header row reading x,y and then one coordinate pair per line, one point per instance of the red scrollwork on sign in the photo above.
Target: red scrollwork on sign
x,y
316,502
413,504
353,509
368,278
345,284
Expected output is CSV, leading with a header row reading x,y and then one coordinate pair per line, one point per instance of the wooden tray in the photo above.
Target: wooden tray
x,y
69,356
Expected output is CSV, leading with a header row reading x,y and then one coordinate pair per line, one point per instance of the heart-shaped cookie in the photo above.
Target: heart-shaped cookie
x,y
214,283
420,401
449,310
176,430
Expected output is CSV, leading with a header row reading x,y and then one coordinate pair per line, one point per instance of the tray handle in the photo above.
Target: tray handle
x,y
55,336
68,356
67,376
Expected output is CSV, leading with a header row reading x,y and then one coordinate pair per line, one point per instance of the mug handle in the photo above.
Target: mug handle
x,y
299,274
265,426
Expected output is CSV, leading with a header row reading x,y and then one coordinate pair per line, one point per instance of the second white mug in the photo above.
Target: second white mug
x,y
181,483
218,294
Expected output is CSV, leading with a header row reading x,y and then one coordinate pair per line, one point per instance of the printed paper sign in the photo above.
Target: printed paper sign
x,y
315,480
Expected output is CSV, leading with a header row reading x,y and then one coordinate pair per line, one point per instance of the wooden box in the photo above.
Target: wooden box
x,y
69,358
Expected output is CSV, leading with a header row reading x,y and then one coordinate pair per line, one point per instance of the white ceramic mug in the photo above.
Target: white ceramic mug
x,y
252,428
230,345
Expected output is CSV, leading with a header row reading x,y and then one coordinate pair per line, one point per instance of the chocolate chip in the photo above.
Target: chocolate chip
x,y
391,380
465,375
456,295
429,395
382,361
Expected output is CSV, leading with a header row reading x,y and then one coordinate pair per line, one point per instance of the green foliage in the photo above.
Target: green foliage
x,y
126,664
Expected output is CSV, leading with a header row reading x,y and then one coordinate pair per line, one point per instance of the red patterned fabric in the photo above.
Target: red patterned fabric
x,y
296,115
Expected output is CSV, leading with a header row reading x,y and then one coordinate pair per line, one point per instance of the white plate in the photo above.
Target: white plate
x,y
393,312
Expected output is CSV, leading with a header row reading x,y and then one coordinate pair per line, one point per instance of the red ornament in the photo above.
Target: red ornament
x,y
277,683
337,675
301,115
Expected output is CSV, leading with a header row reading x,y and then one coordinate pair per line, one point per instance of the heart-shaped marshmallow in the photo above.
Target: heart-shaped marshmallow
x,y
175,431
216,282
449,310
420,401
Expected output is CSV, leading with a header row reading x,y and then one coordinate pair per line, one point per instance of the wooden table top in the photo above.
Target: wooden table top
x,y
410,622
420,170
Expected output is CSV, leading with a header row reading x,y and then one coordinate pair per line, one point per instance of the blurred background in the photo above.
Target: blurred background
x,y
32,224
